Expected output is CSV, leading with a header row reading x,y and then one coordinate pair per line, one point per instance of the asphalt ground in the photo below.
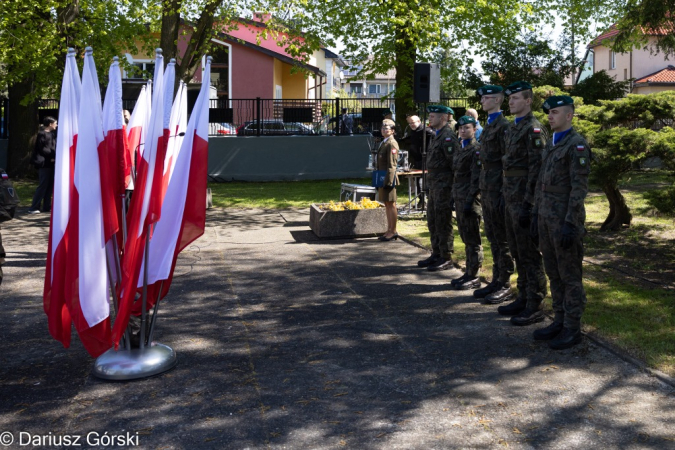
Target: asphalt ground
x,y
288,341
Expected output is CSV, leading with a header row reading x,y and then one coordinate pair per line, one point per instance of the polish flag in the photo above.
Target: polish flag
x,y
86,275
115,162
145,205
184,208
137,129
54,299
177,126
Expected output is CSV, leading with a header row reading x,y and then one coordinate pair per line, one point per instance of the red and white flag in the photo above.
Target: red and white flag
x,y
184,208
137,129
86,272
54,296
177,126
115,162
145,208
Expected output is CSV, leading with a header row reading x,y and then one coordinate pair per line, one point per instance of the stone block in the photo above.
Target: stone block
x,y
350,223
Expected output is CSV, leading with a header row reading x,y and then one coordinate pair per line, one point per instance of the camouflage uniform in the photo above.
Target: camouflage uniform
x,y
439,181
492,147
560,192
522,162
466,169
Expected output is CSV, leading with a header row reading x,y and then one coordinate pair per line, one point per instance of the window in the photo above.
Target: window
x,y
355,88
142,70
612,60
374,88
625,74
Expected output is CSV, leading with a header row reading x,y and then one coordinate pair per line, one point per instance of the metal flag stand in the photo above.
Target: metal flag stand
x,y
150,358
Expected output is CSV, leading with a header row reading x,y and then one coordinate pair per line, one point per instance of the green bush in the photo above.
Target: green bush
x,y
663,200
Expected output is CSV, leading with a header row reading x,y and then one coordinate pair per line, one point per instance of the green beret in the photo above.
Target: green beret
x,y
517,87
557,101
440,109
465,120
489,89
386,112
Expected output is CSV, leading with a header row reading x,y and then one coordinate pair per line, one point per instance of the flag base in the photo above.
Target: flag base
x,y
135,363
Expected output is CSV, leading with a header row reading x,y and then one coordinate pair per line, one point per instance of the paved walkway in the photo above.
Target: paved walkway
x,y
285,341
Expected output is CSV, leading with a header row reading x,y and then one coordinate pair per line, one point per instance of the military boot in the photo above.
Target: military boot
x,y
500,294
459,280
515,307
566,339
430,260
440,264
487,290
468,284
549,332
528,317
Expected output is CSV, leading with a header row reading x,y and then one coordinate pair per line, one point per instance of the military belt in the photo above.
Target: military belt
x,y
492,165
556,189
516,173
440,170
462,179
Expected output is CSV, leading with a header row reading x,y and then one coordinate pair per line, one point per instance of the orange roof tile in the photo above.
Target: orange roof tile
x,y
666,75
667,28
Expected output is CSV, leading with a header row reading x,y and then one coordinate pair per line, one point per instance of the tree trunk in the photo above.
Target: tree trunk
x,y
202,33
168,40
22,127
619,214
406,54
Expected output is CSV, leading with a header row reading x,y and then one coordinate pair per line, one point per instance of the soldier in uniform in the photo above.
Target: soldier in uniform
x,y
558,219
440,153
522,161
492,148
467,200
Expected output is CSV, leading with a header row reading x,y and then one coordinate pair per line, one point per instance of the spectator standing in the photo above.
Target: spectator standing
x,y
346,123
387,155
44,155
414,138
479,129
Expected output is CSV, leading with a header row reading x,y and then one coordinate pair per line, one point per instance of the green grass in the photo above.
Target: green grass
x,y
25,189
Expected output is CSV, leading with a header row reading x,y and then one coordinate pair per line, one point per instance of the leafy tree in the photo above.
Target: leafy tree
x,y
641,15
34,38
600,86
528,58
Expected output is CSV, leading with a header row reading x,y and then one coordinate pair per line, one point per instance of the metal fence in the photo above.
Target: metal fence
x,y
271,117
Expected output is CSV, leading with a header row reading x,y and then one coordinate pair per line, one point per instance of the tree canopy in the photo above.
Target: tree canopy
x,y
639,16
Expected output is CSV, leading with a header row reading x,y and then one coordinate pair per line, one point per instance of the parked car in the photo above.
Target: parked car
x,y
224,129
273,128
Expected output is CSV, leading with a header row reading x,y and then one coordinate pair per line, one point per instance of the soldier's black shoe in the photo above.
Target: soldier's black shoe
x,y
549,332
430,260
566,339
515,307
501,294
440,264
528,317
487,290
459,280
469,283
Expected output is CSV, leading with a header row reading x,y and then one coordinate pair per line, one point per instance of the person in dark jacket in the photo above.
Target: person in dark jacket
x,y
43,158
413,137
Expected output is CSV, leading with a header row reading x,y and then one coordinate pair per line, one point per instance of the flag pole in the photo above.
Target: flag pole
x,y
154,313
145,287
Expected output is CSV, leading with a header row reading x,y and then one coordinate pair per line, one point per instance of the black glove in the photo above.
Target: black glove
x,y
468,207
534,227
569,234
501,205
524,215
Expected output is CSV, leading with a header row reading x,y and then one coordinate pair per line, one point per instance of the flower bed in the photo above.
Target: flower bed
x,y
347,219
